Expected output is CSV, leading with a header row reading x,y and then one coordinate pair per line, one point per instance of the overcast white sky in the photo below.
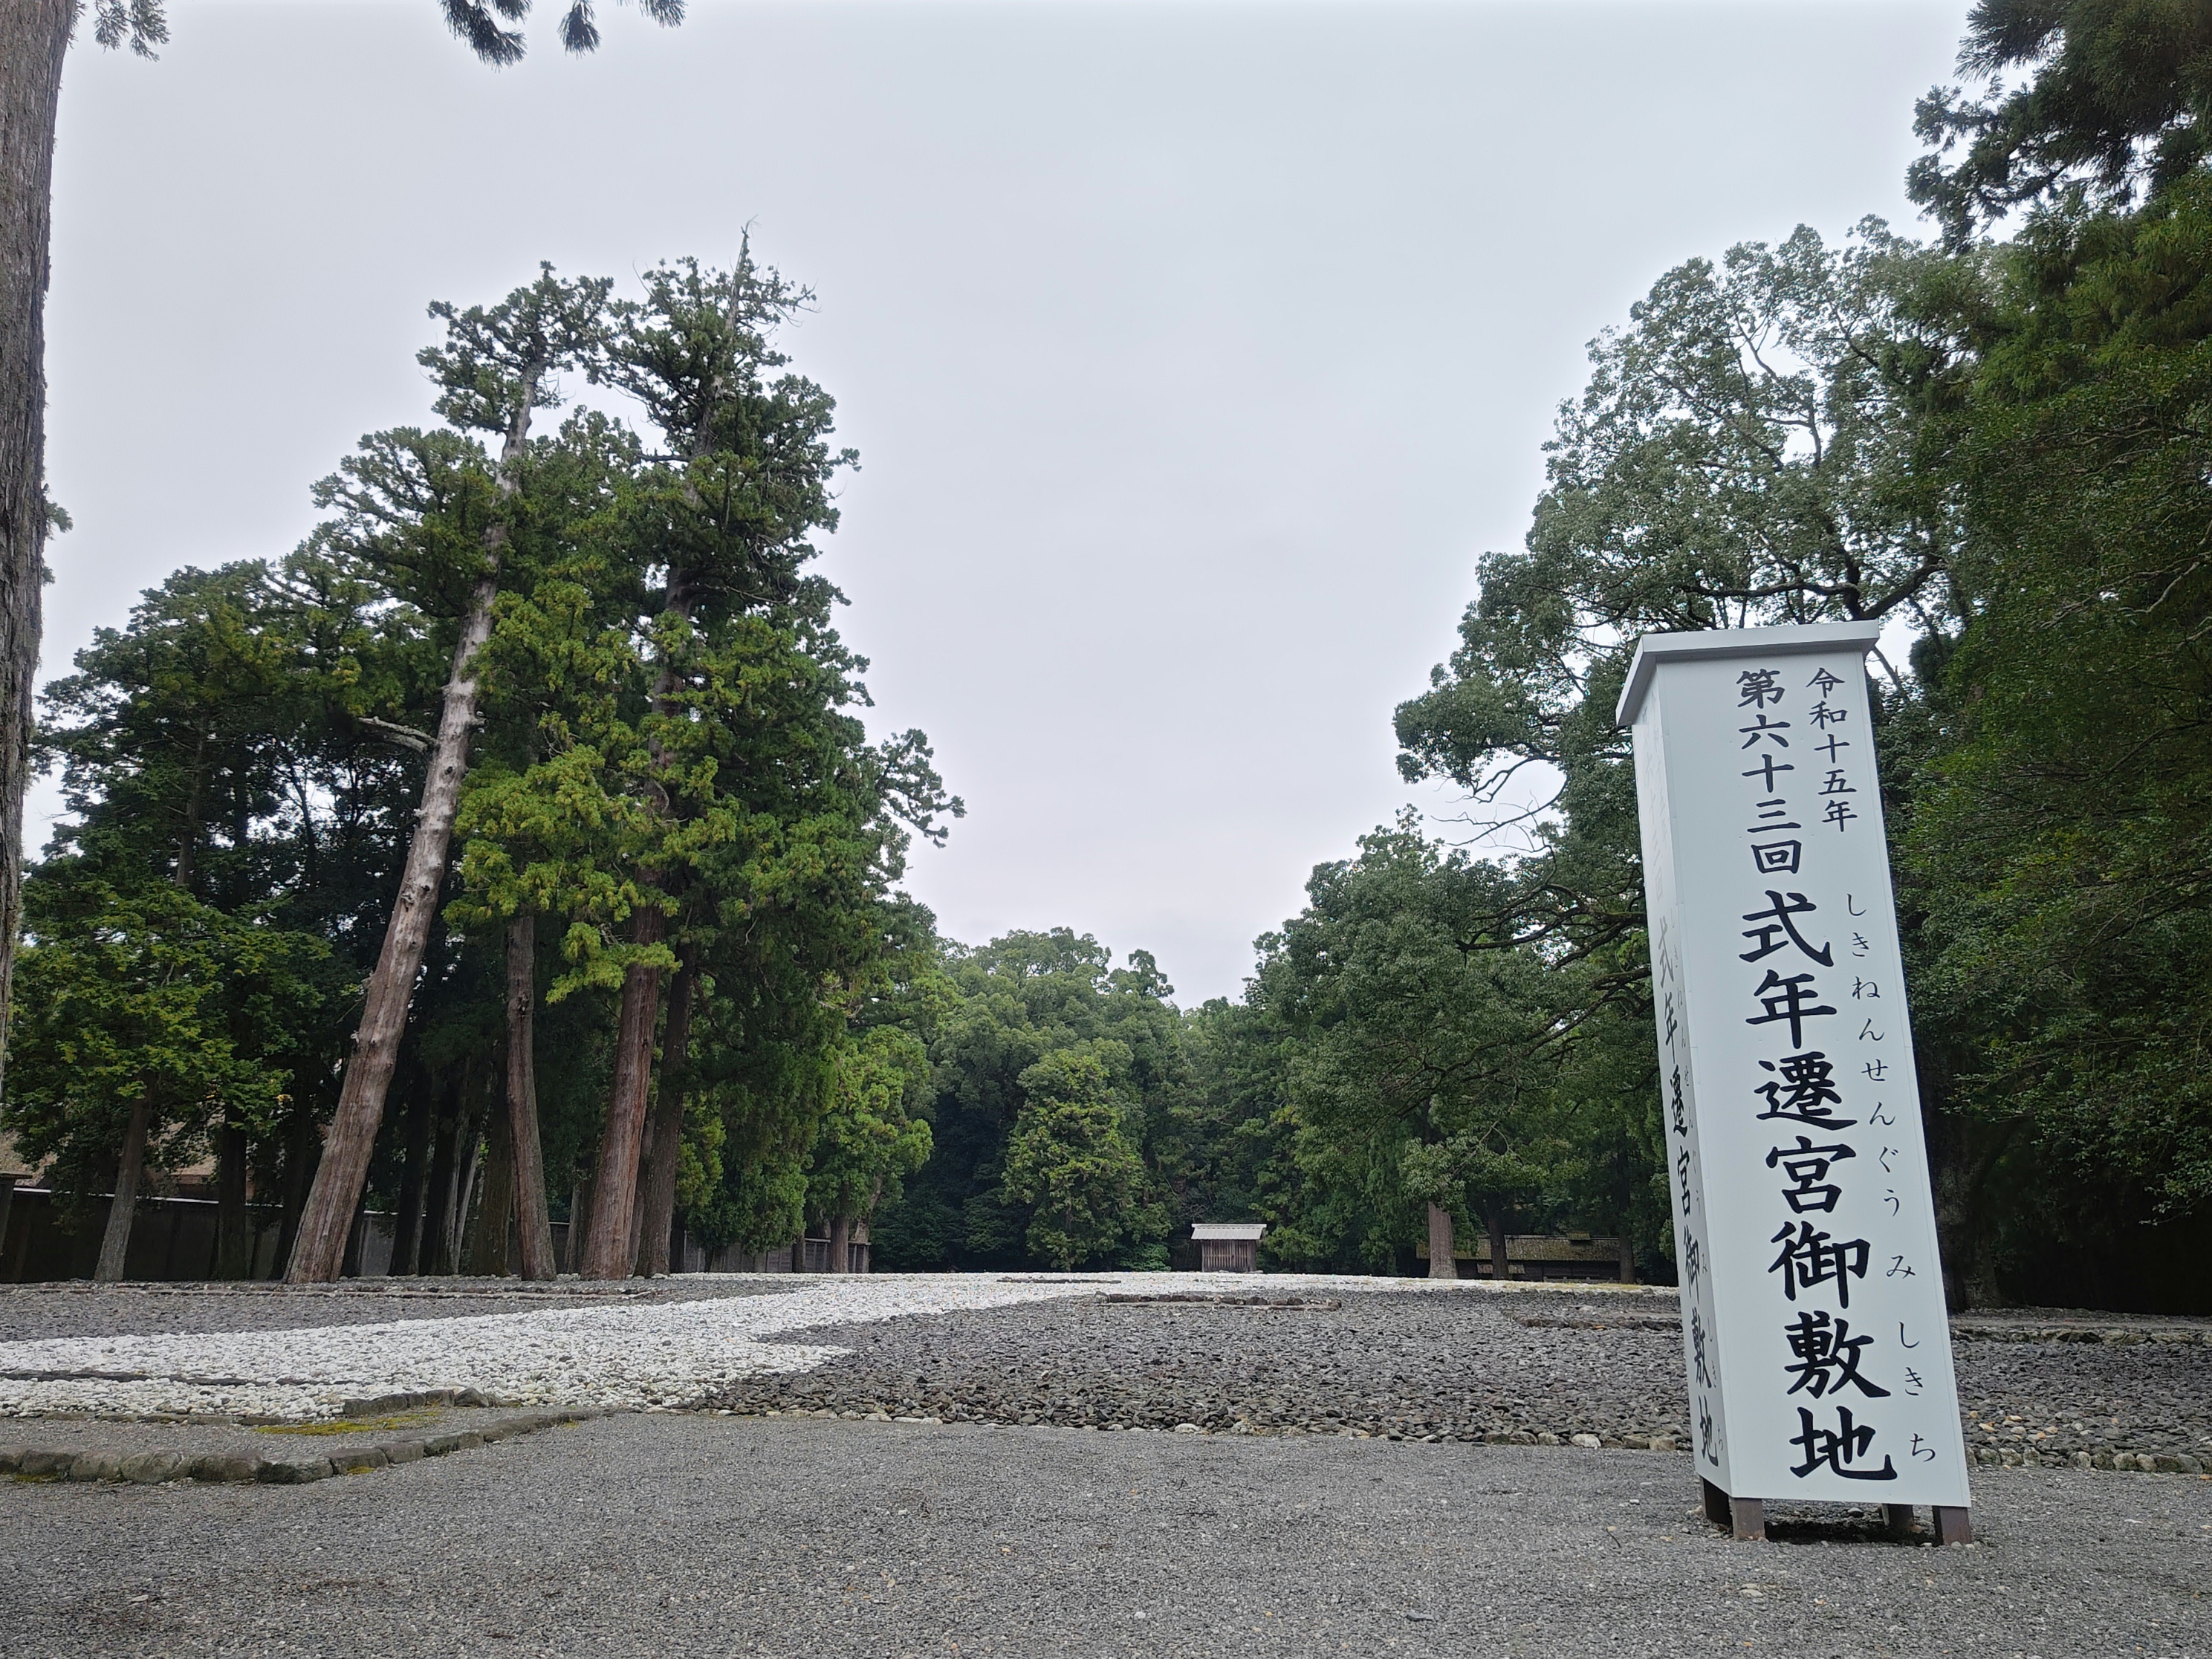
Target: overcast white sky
x,y
1194,351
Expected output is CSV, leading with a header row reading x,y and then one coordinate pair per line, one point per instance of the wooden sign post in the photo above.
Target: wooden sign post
x,y
1814,1328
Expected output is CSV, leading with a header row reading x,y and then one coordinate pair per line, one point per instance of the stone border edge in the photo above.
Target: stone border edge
x,y
148,1469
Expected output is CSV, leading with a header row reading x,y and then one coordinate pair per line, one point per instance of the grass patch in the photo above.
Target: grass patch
x,y
349,1425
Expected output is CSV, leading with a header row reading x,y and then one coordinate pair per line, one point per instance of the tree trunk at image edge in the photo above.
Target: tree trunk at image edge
x,y
1442,1264
664,1140
351,1139
608,1251
115,1245
33,38
533,1220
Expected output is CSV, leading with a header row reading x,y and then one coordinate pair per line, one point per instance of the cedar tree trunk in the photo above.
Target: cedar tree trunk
x,y
535,1224
1493,1223
414,1178
302,1145
33,38
445,1137
233,1225
664,1141
347,1147
487,1248
841,1244
608,1251
1442,1263
115,1246
579,1220
468,1181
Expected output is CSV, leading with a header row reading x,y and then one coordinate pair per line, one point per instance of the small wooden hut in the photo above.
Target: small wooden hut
x,y
1228,1246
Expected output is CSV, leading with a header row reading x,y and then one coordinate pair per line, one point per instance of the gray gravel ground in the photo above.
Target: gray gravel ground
x,y
682,1535
1465,1365
29,1312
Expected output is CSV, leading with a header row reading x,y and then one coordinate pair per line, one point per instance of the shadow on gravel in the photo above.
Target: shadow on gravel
x,y
1854,1527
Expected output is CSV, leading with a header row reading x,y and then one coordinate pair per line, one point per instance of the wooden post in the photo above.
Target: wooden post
x,y
1748,1515
1898,1518
1954,1524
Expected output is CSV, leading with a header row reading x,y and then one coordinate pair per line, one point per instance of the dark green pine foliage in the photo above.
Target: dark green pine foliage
x,y
2116,99
2062,846
234,744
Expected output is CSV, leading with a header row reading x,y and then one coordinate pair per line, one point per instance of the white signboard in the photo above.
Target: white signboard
x,y
1813,1326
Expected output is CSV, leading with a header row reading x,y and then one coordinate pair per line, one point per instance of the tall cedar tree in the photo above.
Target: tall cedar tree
x,y
497,367
746,482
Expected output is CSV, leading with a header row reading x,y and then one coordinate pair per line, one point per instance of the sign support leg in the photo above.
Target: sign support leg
x,y
1717,1504
1749,1516
1954,1525
1898,1517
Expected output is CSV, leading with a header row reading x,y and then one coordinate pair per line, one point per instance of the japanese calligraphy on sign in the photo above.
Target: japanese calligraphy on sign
x,y
1813,1329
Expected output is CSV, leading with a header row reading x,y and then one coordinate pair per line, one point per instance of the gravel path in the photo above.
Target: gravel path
x,y
631,1355
73,1307
1465,1364
1539,1367
608,1351
696,1535
1226,1353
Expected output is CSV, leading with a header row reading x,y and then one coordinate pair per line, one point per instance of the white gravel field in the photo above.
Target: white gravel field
x,y
663,1354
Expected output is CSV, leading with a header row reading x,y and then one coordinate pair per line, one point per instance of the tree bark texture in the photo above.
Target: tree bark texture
x,y
488,1243
115,1244
533,1220
664,1135
1442,1263
609,1248
841,1244
34,39
233,1225
351,1139
1493,1223
352,1135
579,1221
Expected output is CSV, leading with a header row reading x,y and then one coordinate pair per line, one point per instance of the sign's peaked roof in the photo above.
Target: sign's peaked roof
x,y
1715,642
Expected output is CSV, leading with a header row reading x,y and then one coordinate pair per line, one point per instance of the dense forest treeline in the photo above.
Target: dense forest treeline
x,y
665,964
